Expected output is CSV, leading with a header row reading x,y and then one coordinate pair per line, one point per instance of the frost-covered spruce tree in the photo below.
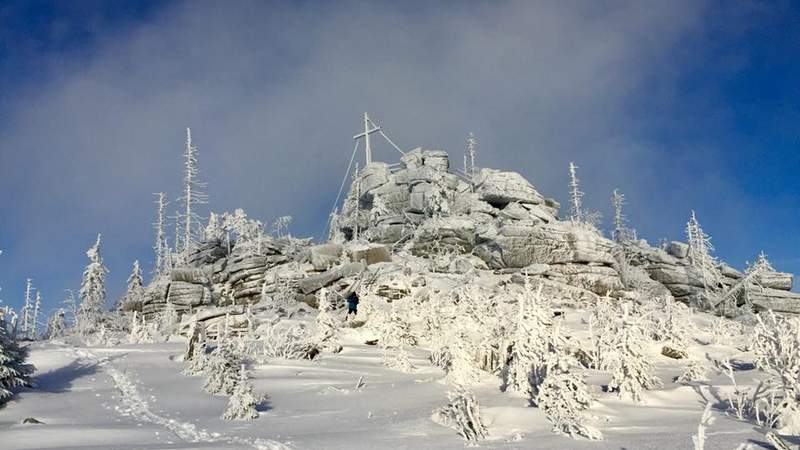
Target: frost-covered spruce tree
x,y
575,194
161,248
199,361
469,156
602,329
523,353
701,259
463,414
93,291
222,369
134,294
242,403
27,308
631,370
193,196
37,306
776,343
14,372
461,370
532,343
56,325
694,371
621,233
168,317
326,336
140,334
563,396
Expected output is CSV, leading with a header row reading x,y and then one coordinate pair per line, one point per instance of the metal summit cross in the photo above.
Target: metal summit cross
x,y
374,129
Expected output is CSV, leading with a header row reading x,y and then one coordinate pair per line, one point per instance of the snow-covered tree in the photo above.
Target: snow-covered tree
x,y
14,372
56,325
193,196
776,343
694,371
161,247
631,369
335,234
242,403
93,290
463,414
27,308
602,329
701,259
140,334
469,156
563,396
37,306
168,317
326,336
461,370
621,232
134,295
533,341
575,194
199,361
222,369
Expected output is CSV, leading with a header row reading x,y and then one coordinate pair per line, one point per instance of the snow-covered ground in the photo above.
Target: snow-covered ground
x,y
135,397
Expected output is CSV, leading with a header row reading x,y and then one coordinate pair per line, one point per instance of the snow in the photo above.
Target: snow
x,y
134,396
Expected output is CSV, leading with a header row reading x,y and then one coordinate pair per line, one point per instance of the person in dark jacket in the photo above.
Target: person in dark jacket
x,y
352,304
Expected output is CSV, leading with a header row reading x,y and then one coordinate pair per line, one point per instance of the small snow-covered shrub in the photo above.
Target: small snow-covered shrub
x,y
284,341
723,330
242,403
666,321
463,414
398,360
695,371
631,370
56,325
326,336
602,325
167,318
461,370
776,343
563,397
198,361
140,333
222,370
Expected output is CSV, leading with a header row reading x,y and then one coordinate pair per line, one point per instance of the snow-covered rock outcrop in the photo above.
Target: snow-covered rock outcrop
x,y
411,223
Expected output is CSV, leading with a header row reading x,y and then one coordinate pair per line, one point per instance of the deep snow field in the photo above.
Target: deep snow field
x,y
135,397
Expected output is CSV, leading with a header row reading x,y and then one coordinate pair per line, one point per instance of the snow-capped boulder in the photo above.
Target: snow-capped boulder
x,y
371,254
776,280
316,282
559,242
324,256
373,175
441,235
776,300
595,278
186,295
501,188
678,249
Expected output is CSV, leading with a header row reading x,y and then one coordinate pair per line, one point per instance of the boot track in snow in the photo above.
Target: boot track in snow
x,y
136,406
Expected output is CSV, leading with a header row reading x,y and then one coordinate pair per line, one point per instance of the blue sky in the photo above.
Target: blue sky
x,y
682,105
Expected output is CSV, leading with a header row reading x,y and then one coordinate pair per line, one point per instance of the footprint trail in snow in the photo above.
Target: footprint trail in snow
x,y
136,406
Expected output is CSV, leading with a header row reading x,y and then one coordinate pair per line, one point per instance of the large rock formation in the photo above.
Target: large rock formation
x,y
401,224
496,216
